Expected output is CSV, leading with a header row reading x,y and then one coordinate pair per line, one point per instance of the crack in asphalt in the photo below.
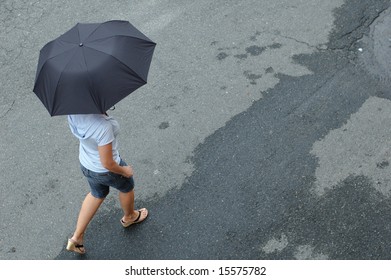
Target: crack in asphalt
x,y
300,42
354,29
8,110
365,23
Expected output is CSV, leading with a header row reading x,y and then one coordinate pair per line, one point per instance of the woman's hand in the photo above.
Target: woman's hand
x,y
106,158
128,171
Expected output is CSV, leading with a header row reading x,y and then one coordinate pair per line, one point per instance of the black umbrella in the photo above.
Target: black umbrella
x,y
91,67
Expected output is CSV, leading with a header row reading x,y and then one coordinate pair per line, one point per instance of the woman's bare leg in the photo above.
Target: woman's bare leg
x,y
127,204
88,209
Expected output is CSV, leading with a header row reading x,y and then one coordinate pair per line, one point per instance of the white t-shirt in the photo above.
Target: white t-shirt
x,y
94,130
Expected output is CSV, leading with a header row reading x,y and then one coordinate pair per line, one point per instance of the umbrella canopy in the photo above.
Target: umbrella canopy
x,y
91,67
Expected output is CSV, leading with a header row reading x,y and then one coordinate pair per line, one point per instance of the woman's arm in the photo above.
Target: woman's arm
x,y
106,158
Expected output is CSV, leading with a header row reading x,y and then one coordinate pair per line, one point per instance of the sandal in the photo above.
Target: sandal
x,y
75,247
138,220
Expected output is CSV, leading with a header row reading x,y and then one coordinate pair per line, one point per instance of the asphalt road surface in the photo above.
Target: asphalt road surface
x,y
263,133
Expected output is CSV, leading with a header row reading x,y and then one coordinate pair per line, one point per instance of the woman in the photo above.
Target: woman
x,y
102,166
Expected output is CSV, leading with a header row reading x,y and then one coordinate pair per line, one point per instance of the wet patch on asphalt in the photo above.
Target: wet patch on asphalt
x,y
253,50
350,222
359,147
250,195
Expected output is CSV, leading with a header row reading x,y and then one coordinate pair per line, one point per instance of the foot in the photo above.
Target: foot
x,y
141,216
73,246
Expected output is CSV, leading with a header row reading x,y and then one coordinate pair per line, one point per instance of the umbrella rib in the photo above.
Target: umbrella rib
x,y
89,79
99,25
91,32
60,54
78,33
119,35
70,59
50,58
118,61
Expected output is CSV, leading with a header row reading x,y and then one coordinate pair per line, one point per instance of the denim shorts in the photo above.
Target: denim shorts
x,y
100,183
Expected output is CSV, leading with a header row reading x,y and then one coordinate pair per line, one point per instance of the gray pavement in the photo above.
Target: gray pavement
x,y
261,134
